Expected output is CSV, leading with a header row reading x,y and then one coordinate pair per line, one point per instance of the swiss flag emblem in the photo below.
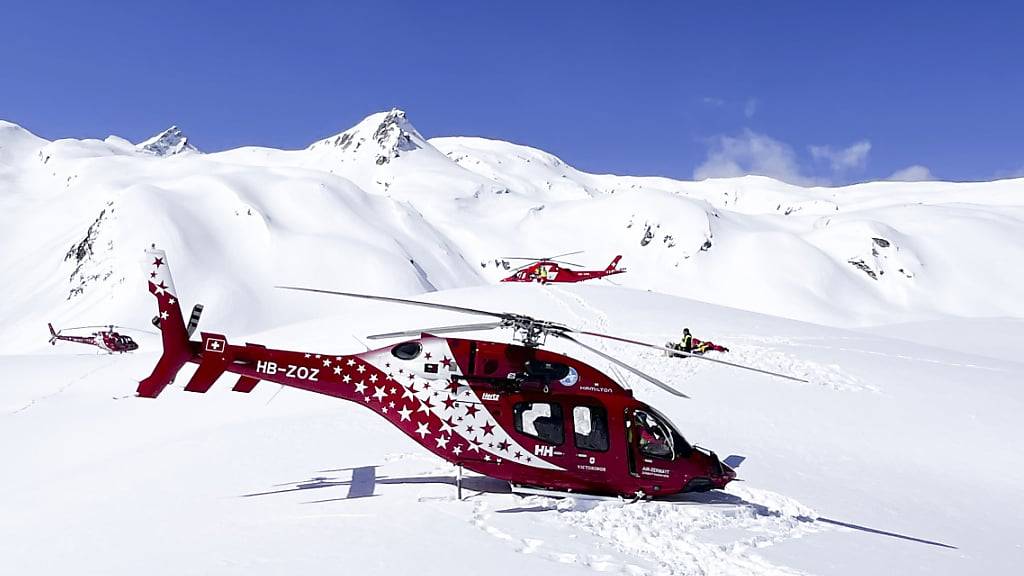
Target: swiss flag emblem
x,y
215,345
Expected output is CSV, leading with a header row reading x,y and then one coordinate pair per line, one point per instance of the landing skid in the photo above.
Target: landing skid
x,y
532,491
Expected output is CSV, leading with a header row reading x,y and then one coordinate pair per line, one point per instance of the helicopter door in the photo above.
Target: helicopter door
x,y
651,446
590,436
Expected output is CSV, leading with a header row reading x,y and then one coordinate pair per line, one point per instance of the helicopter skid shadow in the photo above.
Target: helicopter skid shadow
x,y
715,497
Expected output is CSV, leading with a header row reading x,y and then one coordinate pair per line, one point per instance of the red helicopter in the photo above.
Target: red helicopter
x,y
108,339
547,270
516,412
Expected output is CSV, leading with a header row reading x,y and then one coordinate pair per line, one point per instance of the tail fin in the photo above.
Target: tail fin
x,y
53,334
177,348
614,264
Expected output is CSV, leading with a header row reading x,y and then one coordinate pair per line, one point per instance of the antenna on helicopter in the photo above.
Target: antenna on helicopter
x,y
531,332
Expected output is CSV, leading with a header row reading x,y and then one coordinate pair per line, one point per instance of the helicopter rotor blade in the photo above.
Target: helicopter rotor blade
x,y
399,301
566,254
689,354
109,327
544,258
438,330
539,260
618,362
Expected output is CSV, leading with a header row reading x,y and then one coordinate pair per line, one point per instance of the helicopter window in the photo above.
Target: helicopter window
x,y
590,424
541,420
407,350
546,370
680,447
655,437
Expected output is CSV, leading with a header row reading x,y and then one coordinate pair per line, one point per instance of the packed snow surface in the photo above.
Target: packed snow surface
x,y
900,303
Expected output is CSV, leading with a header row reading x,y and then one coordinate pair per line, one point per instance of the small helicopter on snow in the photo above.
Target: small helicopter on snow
x,y
107,339
516,412
548,270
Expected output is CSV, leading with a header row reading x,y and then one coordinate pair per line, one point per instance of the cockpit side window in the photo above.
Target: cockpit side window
x,y
542,420
655,437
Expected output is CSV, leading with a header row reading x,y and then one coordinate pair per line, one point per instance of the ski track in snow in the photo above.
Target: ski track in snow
x,y
64,387
680,538
686,539
482,518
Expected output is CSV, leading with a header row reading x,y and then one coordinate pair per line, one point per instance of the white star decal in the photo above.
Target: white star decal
x,y
163,315
422,429
457,450
407,393
171,301
337,369
423,408
379,392
350,362
360,387
159,290
361,369
373,377
346,379
405,413
307,355
327,363
442,441
391,404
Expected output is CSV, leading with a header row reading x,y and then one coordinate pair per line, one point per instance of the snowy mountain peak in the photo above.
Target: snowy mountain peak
x,y
168,143
384,135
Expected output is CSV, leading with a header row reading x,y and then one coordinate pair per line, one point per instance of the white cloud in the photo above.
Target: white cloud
x,y
853,157
915,173
1002,174
750,108
751,153
713,101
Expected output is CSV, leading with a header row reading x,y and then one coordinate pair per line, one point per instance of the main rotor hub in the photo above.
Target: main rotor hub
x,y
530,331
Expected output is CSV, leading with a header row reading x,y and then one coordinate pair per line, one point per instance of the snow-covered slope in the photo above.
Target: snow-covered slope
x,y
912,434
434,214
887,436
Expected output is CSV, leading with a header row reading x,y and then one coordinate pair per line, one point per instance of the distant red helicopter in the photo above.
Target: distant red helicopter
x,y
108,339
547,270
515,412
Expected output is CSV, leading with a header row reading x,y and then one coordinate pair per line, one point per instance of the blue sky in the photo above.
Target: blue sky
x,y
807,91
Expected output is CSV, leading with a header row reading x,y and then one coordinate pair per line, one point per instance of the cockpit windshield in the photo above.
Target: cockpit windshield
x,y
658,438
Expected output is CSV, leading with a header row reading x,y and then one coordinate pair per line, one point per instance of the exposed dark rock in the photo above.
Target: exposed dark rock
x,y
863,266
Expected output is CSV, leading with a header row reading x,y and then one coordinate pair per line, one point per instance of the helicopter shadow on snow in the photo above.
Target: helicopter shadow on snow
x,y
364,481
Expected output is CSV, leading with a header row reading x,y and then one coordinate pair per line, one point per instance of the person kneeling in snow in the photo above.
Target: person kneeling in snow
x,y
694,346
